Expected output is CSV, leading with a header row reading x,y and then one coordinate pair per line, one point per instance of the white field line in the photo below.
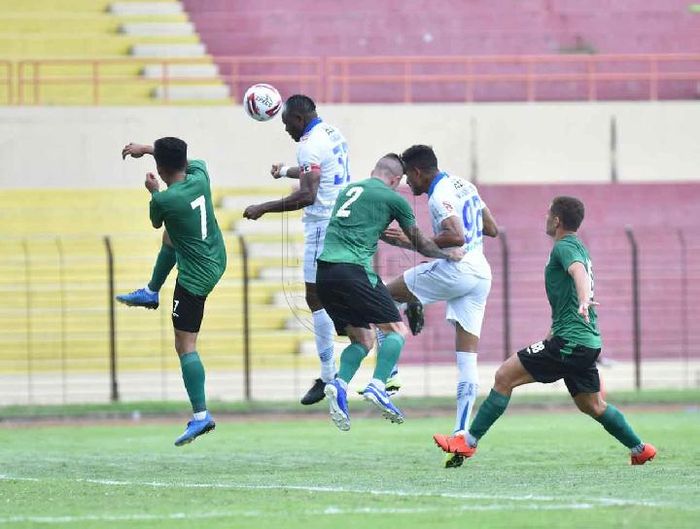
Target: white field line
x,y
576,502
328,511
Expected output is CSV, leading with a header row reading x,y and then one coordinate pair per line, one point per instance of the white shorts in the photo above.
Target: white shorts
x,y
464,292
314,234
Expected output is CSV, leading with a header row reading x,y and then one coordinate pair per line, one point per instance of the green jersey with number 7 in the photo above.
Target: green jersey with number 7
x,y
187,210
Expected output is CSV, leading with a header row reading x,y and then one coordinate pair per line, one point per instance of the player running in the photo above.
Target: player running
x,y
322,170
354,295
187,211
569,352
460,219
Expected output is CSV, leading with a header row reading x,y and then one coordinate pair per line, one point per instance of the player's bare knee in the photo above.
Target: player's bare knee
x,y
396,327
503,382
590,405
361,336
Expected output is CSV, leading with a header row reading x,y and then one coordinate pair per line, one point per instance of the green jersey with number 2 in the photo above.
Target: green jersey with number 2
x,y
362,212
187,210
567,323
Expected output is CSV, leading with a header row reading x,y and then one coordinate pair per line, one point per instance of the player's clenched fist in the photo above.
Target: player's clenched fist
x,y
136,150
276,170
254,212
152,183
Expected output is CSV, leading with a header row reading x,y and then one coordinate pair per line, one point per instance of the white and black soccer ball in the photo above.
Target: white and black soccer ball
x,y
262,102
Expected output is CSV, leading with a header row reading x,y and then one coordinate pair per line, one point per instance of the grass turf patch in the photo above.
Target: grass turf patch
x,y
549,469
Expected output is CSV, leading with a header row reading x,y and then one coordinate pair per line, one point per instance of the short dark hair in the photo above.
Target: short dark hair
x,y
170,153
570,211
396,158
300,104
420,157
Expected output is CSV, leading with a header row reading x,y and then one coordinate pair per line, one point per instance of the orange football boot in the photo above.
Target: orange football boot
x,y
454,444
645,455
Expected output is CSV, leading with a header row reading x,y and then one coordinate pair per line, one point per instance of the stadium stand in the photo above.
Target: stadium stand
x,y
656,213
66,44
432,34
61,317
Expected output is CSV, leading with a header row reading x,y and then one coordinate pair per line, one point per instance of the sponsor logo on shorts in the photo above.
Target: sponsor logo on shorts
x,y
536,348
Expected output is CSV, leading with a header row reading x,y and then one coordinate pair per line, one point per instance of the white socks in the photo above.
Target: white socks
x,y
467,388
200,415
323,332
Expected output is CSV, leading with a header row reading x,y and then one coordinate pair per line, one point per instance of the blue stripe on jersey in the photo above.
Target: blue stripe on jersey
x,y
311,125
435,181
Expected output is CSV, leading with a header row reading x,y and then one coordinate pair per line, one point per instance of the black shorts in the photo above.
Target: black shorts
x,y
546,362
350,299
188,309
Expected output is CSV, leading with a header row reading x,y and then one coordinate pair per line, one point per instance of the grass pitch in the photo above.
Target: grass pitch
x,y
533,470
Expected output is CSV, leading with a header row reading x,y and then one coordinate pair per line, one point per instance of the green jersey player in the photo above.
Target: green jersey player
x,y
187,211
354,295
569,352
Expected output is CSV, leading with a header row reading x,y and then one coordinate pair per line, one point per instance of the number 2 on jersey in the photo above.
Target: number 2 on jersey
x,y
343,175
353,193
199,203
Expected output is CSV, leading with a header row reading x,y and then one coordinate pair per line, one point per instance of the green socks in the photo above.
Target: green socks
x,y
164,264
388,355
489,412
350,361
193,376
616,425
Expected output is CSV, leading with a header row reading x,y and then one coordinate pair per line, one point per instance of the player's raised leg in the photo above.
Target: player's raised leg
x,y
148,296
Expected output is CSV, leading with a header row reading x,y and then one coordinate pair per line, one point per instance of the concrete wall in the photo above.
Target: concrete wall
x,y
544,142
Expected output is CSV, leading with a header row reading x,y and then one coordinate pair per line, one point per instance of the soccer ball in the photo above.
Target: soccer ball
x,y
262,102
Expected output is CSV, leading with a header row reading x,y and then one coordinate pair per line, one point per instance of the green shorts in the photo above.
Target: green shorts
x,y
546,362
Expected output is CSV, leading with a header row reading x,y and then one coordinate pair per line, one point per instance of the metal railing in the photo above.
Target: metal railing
x,y
66,341
367,79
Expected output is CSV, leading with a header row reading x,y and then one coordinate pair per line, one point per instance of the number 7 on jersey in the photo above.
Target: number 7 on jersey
x,y
199,203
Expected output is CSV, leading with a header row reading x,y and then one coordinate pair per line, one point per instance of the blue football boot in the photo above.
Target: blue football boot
x,y
139,298
382,401
196,428
338,404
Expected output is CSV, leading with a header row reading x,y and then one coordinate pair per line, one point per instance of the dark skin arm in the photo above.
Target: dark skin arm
x,y
302,197
292,172
136,150
490,226
451,233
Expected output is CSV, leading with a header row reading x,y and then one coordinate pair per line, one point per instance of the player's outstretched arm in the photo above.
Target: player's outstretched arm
x,y
428,248
490,226
396,237
136,150
302,197
279,170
